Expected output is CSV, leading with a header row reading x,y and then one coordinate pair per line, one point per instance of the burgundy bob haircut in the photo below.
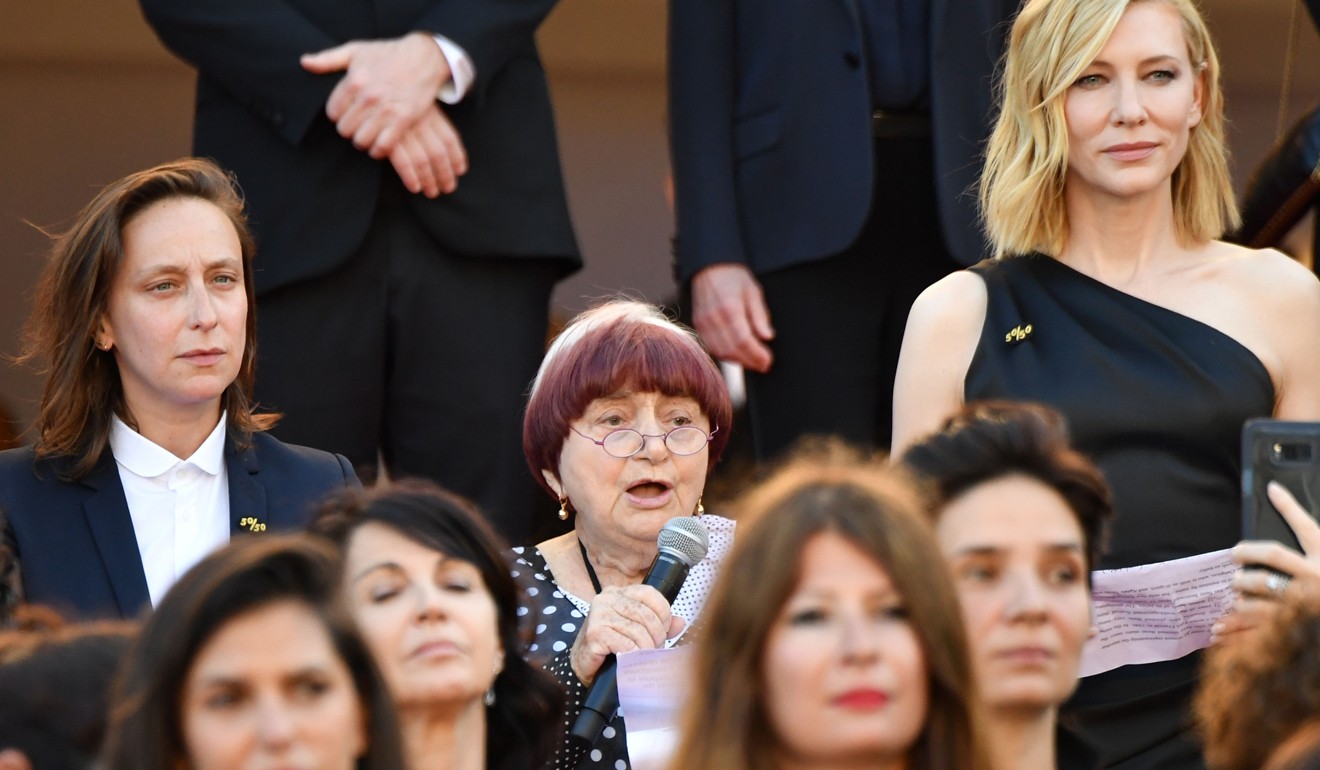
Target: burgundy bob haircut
x,y
620,345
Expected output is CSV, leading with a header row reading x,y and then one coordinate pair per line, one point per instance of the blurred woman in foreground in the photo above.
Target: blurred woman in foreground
x,y
251,660
1020,517
834,637
427,581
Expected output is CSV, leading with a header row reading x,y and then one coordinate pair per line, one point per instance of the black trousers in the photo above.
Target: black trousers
x,y
839,321
417,356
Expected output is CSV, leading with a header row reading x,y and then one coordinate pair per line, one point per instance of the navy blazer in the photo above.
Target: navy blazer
x,y
770,117
75,544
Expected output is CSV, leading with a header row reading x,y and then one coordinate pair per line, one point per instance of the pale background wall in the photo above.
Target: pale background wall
x,y
88,95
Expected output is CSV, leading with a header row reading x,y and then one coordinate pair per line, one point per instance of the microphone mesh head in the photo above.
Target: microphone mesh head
x,y
685,537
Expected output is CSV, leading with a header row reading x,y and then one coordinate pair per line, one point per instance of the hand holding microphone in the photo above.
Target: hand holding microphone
x,y
622,620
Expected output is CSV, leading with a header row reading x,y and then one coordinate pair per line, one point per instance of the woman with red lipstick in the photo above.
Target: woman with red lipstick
x,y
1111,299
429,587
149,453
833,639
626,416
1020,517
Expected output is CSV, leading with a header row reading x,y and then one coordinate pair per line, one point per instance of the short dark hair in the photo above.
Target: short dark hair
x,y
521,728
82,388
987,440
248,574
615,346
55,687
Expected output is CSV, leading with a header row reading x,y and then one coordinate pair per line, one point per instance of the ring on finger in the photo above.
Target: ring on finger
x,y
1277,583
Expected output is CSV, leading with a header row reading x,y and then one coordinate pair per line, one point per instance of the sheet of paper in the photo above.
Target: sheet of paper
x,y
652,690
1158,611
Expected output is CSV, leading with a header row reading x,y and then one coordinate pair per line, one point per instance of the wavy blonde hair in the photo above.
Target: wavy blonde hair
x,y
1026,166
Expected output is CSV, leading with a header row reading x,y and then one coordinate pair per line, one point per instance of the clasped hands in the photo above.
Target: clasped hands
x,y
386,105
1259,591
635,617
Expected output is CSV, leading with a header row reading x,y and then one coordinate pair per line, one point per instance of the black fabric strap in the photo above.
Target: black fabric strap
x,y
591,571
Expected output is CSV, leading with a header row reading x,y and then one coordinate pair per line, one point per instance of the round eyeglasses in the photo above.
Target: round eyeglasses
x,y
626,442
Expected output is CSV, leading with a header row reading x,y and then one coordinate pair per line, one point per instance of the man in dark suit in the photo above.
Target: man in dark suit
x,y
822,156
402,177
74,540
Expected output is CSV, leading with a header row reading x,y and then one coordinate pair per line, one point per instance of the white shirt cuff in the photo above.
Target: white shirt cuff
x,y
462,71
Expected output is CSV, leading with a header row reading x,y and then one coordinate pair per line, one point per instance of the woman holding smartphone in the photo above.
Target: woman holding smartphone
x,y
1112,300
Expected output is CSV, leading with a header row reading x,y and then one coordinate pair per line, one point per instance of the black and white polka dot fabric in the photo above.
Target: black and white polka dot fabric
x,y
555,616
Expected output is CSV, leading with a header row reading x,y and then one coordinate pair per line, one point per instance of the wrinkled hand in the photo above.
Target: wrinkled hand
x,y
430,157
730,314
1256,603
386,89
622,620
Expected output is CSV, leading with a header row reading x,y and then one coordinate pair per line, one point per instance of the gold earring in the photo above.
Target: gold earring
x,y
563,509
700,508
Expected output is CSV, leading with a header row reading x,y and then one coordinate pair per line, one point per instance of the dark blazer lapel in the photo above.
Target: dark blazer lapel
x,y
247,496
107,515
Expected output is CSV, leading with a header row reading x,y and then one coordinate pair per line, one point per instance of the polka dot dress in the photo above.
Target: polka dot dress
x,y
554,616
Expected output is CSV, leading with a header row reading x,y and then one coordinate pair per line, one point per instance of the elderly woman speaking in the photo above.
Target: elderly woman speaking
x,y
626,416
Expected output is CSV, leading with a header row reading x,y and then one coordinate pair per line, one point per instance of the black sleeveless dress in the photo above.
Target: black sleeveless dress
x,y
1157,400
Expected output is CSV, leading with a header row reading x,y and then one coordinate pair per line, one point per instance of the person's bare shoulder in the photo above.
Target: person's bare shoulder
x,y
1276,283
943,329
956,303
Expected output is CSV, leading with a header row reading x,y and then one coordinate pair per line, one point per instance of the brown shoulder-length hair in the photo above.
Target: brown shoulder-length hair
x,y
825,488
82,388
251,573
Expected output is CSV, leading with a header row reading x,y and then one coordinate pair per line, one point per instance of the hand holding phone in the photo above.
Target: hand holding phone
x,y
1276,456
1288,454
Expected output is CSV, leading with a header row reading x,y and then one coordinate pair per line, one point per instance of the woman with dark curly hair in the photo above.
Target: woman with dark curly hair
x,y
427,581
1258,689
1020,516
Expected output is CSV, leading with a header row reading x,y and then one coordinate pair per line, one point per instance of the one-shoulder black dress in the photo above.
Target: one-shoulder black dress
x,y
1157,399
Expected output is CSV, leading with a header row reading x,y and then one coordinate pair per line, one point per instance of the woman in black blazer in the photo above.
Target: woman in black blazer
x,y
148,451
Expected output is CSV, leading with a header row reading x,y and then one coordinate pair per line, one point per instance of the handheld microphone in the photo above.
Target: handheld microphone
x,y
682,543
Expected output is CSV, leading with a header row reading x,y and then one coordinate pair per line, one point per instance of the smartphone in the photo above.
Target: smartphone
x,y
1286,452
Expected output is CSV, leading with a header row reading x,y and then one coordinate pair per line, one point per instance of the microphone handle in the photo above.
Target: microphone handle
x,y
666,575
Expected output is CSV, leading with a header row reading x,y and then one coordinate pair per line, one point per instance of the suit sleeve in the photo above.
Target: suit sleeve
x,y
702,94
251,48
491,32
350,476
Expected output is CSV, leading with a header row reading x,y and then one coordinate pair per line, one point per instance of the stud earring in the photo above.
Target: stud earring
x,y
490,696
563,509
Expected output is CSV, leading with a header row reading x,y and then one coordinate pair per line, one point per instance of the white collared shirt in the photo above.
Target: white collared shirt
x,y
180,508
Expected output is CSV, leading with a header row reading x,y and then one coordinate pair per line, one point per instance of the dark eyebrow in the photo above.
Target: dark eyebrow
x,y
378,565
444,562
993,550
